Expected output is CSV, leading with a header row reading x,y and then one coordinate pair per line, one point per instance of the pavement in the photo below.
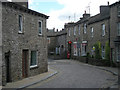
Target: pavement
x,y
113,70
31,80
39,78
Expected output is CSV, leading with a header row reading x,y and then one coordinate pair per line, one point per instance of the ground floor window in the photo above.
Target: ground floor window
x,y
84,47
103,52
33,59
112,54
75,49
57,50
92,51
118,53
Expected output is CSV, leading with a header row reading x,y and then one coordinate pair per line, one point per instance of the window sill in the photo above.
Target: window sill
x,y
34,66
41,35
20,32
118,16
75,55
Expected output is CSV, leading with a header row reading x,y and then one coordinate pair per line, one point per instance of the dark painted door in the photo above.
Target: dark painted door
x,y
25,63
7,58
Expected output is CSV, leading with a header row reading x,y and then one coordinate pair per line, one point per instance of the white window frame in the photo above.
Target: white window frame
x,y
92,32
79,28
118,11
118,32
39,21
103,29
85,28
75,30
20,19
33,66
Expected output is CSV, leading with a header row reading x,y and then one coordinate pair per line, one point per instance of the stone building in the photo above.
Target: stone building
x,y
103,27
115,31
24,42
98,30
56,43
77,35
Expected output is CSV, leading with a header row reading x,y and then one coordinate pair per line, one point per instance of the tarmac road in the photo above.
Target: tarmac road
x,y
73,74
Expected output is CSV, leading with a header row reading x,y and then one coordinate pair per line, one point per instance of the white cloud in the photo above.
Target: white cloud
x,y
73,7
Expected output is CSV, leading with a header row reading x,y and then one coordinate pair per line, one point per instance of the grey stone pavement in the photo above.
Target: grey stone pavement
x,y
70,74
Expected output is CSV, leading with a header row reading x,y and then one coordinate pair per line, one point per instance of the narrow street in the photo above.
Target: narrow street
x,y
73,74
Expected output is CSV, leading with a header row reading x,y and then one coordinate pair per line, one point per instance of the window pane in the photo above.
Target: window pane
x,y
92,32
74,30
103,52
69,32
79,29
40,27
33,58
103,29
85,27
20,23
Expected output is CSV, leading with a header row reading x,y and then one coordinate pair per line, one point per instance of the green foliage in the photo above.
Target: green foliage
x,y
107,51
98,50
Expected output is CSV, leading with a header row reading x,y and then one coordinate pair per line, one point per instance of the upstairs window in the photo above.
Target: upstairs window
x,y
74,30
119,11
92,32
103,29
69,32
85,28
20,24
79,29
40,27
119,29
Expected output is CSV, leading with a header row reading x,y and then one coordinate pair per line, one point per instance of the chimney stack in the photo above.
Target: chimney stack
x,y
23,3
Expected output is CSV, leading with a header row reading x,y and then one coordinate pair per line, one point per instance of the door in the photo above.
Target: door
x,y
69,48
7,59
25,63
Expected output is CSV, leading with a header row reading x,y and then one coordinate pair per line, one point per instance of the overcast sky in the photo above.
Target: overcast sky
x,y
64,11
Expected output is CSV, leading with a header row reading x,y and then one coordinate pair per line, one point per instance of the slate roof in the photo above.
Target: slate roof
x,y
115,3
24,9
98,17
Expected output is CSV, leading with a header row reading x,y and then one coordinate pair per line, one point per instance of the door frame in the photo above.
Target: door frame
x,y
8,67
25,62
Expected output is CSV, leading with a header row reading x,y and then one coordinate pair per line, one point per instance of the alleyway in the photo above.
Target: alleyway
x,y
73,74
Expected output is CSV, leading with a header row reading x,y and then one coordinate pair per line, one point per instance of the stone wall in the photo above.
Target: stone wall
x,y
57,40
0,44
114,30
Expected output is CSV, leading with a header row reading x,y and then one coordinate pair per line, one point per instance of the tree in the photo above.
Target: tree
x,y
98,50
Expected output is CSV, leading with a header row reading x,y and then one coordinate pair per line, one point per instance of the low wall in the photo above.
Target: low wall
x,y
93,61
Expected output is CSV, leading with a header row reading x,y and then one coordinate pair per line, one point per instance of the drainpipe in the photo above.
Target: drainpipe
x,y
109,41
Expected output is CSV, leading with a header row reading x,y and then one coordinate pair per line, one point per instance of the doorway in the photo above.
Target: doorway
x,y
25,63
7,61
